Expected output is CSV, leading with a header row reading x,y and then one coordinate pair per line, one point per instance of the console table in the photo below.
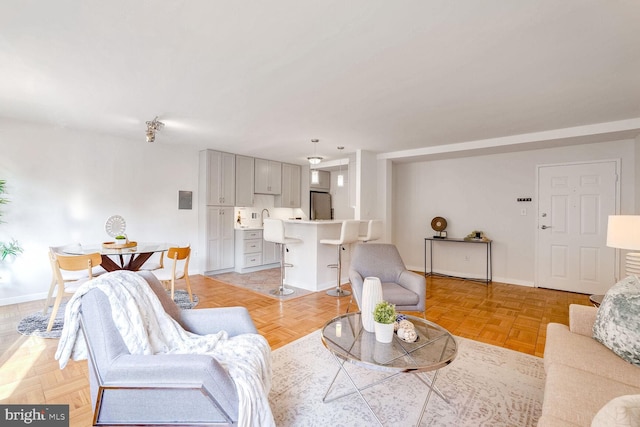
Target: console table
x,y
487,243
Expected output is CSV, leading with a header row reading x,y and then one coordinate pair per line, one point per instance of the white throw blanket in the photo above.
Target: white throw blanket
x,y
147,329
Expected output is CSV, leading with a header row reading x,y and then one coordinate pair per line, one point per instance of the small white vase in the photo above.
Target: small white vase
x,y
371,295
384,332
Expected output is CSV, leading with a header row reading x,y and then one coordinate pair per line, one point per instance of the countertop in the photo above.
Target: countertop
x,y
296,221
315,222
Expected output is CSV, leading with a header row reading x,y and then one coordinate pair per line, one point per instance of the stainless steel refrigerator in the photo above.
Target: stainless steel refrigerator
x,y
321,205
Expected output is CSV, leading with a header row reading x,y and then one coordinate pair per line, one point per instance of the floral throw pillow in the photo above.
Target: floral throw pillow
x,y
617,324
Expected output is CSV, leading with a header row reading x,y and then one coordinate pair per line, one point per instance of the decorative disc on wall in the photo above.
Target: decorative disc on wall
x,y
115,225
438,223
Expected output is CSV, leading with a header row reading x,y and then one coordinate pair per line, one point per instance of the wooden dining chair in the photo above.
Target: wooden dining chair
x,y
61,264
67,276
178,269
153,263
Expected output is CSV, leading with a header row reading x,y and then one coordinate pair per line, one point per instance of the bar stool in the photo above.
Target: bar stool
x,y
348,235
374,231
274,232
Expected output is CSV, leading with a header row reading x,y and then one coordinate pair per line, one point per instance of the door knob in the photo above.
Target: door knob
x,y
544,227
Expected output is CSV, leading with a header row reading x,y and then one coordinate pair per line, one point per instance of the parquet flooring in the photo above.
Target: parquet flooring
x,y
509,316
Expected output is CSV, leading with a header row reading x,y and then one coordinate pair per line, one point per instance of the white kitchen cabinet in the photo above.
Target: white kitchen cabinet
x,y
268,177
220,239
248,250
253,253
244,180
218,176
290,192
324,180
270,253
216,199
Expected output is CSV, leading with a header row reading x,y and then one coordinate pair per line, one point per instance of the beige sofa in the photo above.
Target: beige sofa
x,y
582,374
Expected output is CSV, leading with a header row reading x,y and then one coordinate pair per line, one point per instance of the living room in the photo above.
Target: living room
x,y
445,111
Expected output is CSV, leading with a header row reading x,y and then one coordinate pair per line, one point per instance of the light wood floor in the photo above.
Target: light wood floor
x,y
509,316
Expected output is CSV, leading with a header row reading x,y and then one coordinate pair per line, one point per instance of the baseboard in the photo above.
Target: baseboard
x,y
256,268
481,277
23,298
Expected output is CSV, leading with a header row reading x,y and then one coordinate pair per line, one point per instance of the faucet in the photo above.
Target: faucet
x,y
262,215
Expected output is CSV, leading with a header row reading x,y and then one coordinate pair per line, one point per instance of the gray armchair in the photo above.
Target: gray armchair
x,y
165,388
404,288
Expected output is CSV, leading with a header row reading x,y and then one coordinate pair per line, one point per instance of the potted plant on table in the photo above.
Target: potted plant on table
x,y
384,315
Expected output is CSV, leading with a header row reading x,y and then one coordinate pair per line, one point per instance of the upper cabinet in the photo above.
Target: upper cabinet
x,y
290,197
244,180
323,181
218,178
268,176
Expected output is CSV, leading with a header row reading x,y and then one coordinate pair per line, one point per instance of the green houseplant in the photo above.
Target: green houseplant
x,y
12,247
384,316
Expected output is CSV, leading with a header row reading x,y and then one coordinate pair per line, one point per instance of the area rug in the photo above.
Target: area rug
x,y
35,324
181,298
486,386
262,282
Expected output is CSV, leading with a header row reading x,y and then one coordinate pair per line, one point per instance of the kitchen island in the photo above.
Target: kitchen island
x,y
310,257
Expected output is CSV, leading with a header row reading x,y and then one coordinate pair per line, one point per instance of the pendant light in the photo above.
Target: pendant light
x,y
340,176
315,159
315,176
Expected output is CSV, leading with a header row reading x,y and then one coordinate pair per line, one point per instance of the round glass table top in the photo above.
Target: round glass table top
x,y
140,248
347,339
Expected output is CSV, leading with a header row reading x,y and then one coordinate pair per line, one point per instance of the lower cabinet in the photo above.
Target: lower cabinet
x,y
220,241
253,253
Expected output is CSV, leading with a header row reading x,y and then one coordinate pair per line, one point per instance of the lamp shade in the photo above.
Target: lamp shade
x,y
623,232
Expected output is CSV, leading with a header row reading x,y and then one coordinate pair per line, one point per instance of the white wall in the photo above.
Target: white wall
x,y
479,193
340,195
636,177
367,191
63,185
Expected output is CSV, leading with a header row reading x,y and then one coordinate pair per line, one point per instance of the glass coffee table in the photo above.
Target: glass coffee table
x,y
347,340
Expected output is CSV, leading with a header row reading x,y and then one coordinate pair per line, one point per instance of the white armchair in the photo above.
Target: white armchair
x,y
175,389
404,288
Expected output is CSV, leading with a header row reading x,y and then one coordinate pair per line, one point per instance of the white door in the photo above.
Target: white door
x,y
574,202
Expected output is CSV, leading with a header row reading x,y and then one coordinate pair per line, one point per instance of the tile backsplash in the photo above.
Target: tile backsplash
x,y
252,216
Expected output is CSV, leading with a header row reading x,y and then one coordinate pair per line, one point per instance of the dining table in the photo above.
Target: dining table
x,y
126,258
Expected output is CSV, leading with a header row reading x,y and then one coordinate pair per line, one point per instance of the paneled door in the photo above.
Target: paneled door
x,y
574,202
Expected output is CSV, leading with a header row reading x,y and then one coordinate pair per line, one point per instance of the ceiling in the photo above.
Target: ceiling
x,y
263,78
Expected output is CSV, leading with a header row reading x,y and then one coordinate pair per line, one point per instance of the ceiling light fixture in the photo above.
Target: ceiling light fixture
x,y
153,126
315,159
340,176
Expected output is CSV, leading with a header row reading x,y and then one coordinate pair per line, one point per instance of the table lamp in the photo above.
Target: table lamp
x,y
623,232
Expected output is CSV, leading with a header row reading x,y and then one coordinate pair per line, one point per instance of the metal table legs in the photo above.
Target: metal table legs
x,y
430,383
